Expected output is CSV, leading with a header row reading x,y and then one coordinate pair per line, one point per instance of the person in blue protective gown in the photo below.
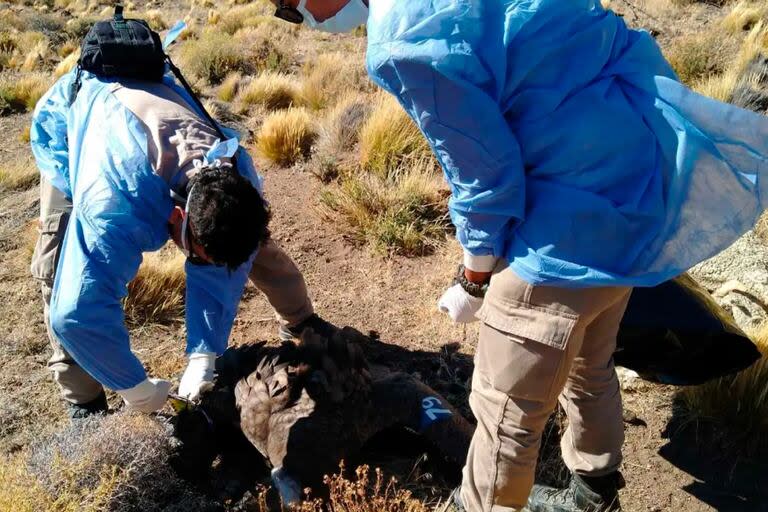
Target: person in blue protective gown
x,y
579,168
124,167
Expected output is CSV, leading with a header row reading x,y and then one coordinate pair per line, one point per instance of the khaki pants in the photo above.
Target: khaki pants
x,y
539,345
273,272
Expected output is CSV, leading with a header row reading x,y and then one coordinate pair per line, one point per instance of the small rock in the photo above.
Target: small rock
x,y
628,380
631,418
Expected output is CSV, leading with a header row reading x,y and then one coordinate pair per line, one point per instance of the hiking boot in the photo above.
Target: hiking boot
x,y
584,494
314,322
96,406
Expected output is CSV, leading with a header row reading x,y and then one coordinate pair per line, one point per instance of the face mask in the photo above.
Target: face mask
x,y
185,247
351,16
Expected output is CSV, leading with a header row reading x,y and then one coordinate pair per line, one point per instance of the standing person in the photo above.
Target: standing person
x,y
128,165
579,168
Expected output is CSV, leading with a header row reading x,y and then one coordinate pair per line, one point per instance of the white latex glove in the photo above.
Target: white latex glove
x,y
459,305
198,376
148,396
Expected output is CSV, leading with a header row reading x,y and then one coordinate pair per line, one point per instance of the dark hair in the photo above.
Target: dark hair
x,y
228,217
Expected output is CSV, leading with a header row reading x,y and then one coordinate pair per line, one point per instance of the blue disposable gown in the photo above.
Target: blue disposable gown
x,y
96,153
571,149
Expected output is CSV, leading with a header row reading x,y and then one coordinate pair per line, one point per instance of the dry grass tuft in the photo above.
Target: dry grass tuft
x,y
36,56
213,56
156,294
25,135
270,44
67,64
229,87
722,86
234,19
155,19
737,405
338,135
18,175
24,51
21,93
403,213
744,16
761,228
119,463
698,56
329,77
286,136
78,27
389,138
274,91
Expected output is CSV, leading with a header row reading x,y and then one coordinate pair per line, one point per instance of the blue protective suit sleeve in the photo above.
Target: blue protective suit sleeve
x,y
452,97
120,209
48,134
213,294
86,314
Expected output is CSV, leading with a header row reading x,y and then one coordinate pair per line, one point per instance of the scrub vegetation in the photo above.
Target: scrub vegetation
x,y
118,464
275,91
286,136
301,101
19,175
156,294
726,60
123,463
20,93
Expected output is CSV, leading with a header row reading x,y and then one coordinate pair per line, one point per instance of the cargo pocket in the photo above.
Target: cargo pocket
x,y
46,254
523,349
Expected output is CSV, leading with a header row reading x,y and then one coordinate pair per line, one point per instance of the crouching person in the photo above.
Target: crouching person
x,y
580,167
124,167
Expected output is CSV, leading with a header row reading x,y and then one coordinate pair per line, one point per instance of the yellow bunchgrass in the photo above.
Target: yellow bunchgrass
x,y
155,19
20,93
156,294
213,56
697,56
21,492
402,213
328,77
229,87
272,90
18,175
744,16
389,137
721,86
67,64
286,136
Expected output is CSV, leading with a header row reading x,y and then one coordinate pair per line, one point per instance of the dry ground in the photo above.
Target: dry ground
x,y
352,285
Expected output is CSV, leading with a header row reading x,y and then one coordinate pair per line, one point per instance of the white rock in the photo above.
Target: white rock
x,y
738,279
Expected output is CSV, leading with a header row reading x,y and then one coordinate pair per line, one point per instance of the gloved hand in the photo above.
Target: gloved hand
x,y
198,376
147,396
459,305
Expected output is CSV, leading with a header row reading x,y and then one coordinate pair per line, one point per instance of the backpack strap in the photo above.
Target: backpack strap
x,y
177,73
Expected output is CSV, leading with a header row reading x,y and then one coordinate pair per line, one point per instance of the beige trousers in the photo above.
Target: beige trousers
x,y
539,345
273,272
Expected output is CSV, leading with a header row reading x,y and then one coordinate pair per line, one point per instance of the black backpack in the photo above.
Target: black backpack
x,y
128,48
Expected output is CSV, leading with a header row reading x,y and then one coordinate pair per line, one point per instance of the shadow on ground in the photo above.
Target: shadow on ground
x,y
724,481
418,467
